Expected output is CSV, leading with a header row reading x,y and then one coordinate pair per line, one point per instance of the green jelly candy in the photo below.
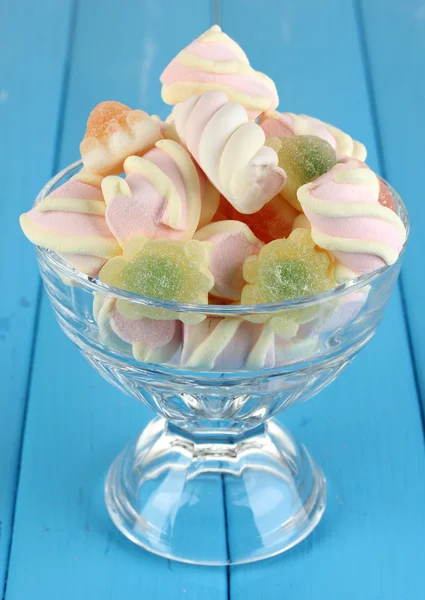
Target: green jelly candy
x,y
154,276
284,280
303,158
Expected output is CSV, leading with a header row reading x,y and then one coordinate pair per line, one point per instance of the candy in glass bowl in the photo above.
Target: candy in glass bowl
x,y
221,266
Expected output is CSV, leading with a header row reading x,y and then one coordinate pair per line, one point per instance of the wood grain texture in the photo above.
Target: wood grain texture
x,y
395,52
365,429
64,539
31,82
64,542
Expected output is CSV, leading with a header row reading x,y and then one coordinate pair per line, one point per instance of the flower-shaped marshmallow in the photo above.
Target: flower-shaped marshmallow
x,y
286,269
162,269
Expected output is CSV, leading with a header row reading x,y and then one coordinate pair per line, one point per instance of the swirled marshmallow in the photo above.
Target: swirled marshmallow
x,y
230,150
227,344
159,198
71,221
233,242
347,219
215,62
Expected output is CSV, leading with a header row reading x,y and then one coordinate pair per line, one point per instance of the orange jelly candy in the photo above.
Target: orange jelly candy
x,y
107,116
273,221
385,196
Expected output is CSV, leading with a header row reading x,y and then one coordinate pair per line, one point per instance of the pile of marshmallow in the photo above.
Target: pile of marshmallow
x,y
227,201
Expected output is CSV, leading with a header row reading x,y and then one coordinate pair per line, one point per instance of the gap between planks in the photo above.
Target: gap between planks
x,y
365,57
39,300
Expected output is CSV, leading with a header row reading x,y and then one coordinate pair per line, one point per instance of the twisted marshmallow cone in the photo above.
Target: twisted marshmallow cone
x,y
230,150
71,221
215,62
347,219
210,197
114,131
385,197
275,124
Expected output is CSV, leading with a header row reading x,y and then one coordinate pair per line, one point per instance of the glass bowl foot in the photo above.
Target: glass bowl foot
x,y
215,500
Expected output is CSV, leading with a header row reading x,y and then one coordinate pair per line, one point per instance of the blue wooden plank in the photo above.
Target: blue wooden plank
x,y
64,541
396,57
365,429
77,423
31,76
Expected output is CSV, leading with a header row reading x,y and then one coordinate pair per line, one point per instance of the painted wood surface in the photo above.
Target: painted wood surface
x,y
395,52
62,527
328,59
351,428
32,68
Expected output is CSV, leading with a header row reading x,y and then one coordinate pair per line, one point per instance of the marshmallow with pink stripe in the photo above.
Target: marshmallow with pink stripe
x,y
347,219
227,344
276,124
161,196
150,340
230,150
216,62
71,221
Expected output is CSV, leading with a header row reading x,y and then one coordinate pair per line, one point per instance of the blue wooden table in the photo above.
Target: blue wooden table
x,y
357,63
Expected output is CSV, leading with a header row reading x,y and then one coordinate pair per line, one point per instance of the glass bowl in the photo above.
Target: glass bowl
x,y
213,479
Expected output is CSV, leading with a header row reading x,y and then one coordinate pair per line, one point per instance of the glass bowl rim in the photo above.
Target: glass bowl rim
x,y
94,285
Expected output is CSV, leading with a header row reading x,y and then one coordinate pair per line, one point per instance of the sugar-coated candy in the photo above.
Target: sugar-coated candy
x,y
275,220
286,269
159,198
227,344
225,202
162,269
385,196
230,150
347,219
303,158
233,242
215,62
115,131
71,221
277,124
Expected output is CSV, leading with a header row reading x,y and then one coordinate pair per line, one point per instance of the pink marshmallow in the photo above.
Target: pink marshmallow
x,y
233,243
71,222
227,344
